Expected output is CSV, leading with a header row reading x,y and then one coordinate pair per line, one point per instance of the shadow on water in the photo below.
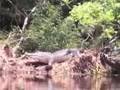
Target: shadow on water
x,y
12,82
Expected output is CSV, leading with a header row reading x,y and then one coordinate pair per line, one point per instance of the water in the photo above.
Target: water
x,y
12,82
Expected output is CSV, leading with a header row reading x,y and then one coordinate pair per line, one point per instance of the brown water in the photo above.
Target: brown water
x,y
12,82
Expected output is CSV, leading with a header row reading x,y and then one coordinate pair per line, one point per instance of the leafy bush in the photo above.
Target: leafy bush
x,y
50,31
91,13
94,13
61,24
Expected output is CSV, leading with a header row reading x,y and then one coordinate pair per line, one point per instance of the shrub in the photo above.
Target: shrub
x,y
51,31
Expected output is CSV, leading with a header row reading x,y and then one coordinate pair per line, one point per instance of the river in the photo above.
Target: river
x,y
12,82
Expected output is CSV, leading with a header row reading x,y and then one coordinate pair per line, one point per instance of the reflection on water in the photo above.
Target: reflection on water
x,y
12,82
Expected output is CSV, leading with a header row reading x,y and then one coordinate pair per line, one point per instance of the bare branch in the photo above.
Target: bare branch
x,y
27,17
85,40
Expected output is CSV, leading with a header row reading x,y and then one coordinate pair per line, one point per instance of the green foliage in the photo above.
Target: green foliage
x,y
61,24
108,33
95,24
28,45
97,13
117,11
91,13
51,31
66,1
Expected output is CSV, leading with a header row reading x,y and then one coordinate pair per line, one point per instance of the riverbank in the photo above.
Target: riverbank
x,y
88,63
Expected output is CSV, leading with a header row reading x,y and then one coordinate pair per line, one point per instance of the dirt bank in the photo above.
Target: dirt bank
x,y
87,63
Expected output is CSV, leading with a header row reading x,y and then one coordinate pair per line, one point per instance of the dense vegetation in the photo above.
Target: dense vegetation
x,y
58,24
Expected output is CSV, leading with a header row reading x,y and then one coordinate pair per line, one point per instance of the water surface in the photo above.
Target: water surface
x,y
12,82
